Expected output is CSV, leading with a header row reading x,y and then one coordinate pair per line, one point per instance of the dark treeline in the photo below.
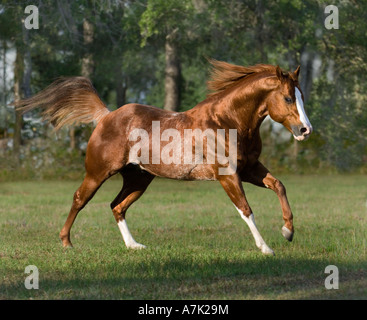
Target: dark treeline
x,y
154,52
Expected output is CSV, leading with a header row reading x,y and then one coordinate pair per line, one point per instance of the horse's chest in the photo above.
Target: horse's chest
x,y
250,151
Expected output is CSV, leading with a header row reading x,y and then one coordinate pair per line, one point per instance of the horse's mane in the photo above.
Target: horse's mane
x,y
224,75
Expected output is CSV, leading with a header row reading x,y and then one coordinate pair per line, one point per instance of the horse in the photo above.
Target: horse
x,y
238,101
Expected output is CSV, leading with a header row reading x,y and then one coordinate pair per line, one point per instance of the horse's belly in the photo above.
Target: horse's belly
x,y
181,172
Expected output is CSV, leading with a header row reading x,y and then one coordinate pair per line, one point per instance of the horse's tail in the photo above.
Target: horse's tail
x,y
67,101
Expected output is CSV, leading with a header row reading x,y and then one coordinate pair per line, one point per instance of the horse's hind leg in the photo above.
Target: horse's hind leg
x,y
84,193
135,183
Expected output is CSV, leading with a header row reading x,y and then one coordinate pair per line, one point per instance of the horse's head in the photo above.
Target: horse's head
x,y
285,105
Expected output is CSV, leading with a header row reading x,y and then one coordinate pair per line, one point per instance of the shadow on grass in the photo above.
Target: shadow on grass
x,y
257,278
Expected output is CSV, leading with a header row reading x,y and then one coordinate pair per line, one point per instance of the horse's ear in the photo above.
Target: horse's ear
x,y
296,72
280,74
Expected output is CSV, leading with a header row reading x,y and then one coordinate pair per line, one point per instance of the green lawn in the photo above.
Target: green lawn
x,y
198,246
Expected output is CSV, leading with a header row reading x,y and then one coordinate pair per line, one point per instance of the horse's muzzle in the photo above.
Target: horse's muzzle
x,y
301,132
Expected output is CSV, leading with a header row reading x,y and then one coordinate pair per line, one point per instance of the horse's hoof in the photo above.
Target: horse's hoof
x,y
136,246
66,244
267,251
287,233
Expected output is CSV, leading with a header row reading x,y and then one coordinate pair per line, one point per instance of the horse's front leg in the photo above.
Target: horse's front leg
x,y
260,176
233,187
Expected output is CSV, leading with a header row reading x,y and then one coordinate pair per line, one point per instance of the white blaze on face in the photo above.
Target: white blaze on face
x,y
301,111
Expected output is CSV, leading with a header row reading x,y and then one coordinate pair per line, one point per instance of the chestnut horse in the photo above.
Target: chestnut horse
x,y
240,100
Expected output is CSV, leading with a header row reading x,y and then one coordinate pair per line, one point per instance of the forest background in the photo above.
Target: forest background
x,y
155,52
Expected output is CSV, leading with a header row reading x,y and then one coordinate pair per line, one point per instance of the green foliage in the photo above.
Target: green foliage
x,y
162,17
129,65
44,156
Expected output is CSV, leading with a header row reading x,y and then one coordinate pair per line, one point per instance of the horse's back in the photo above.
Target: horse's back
x,y
110,141
144,111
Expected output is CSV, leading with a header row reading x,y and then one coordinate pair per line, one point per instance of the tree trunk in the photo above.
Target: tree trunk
x,y
87,61
87,67
3,113
27,71
121,88
18,73
260,32
307,58
172,74
22,87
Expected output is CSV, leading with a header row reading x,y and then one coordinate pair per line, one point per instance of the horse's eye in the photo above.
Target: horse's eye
x,y
288,99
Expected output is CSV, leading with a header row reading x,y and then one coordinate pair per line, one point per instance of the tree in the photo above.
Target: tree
x,y
22,66
169,22
87,66
153,51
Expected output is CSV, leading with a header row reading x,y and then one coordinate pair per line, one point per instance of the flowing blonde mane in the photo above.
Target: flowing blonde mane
x,y
225,75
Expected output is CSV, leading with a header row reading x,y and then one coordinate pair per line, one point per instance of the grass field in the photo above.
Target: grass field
x,y
198,246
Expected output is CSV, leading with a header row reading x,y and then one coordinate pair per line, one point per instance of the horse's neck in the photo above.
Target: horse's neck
x,y
245,109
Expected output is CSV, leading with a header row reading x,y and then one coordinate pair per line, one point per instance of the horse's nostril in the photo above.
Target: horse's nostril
x,y
303,130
